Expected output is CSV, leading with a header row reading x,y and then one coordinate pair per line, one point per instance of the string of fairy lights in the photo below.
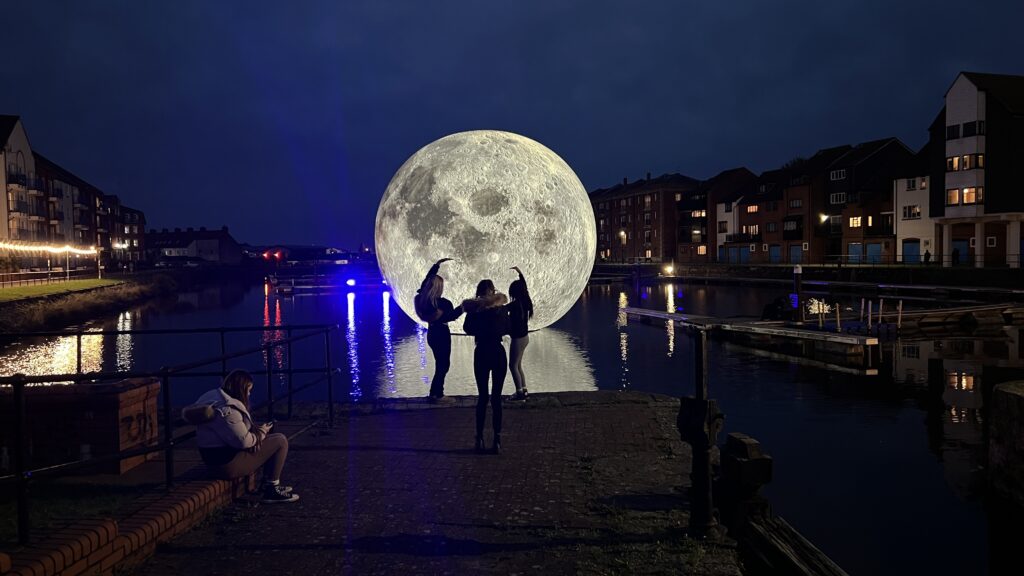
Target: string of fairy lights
x,y
47,248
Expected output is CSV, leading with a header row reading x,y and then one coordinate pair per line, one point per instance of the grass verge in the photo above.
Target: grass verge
x,y
9,294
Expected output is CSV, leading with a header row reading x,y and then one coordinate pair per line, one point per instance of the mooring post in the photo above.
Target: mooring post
x,y
21,459
899,316
839,324
798,273
881,305
869,316
699,422
78,354
861,319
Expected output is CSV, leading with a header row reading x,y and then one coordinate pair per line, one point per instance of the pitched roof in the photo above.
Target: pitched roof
x,y
671,181
7,124
1007,89
863,151
46,166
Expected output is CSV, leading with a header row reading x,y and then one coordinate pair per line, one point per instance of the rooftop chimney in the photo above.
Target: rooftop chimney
x,y
625,180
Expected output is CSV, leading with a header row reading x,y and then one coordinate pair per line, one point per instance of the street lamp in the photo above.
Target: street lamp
x,y
622,244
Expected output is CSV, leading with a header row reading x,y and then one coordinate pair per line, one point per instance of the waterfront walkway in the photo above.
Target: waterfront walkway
x,y
587,483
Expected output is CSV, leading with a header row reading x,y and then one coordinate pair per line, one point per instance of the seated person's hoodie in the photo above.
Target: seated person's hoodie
x,y
229,432
486,318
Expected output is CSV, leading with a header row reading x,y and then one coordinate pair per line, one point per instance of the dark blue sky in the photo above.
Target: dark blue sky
x,y
285,121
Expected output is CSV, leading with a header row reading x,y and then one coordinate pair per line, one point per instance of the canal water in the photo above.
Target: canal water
x,y
884,473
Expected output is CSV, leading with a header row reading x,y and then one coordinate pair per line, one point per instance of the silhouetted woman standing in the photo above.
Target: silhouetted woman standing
x,y
520,310
437,312
487,322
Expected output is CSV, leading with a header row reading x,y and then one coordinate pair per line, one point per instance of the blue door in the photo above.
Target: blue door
x,y
874,253
961,253
734,255
853,252
796,254
775,253
744,255
911,251
721,253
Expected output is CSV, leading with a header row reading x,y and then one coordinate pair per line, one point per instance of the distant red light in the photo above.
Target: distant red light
x,y
277,254
266,255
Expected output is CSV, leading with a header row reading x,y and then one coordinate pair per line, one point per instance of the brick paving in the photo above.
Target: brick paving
x,y
587,483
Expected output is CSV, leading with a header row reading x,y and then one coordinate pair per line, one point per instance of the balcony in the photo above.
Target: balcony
x,y
743,237
19,209
879,230
15,179
56,217
56,195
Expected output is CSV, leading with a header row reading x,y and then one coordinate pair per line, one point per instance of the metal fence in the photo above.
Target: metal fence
x,y
23,476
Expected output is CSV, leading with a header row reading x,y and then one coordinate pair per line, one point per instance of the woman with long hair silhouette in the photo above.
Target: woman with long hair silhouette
x,y
520,310
437,312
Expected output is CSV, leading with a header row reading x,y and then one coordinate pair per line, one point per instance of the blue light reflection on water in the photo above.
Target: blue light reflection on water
x,y
389,351
355,390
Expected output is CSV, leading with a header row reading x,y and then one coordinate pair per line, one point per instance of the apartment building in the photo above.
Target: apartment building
x,y
915,229
859,208
47,205
976,167
698,226
636,221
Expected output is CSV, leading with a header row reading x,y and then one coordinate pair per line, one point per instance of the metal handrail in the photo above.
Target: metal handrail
x,y
22,476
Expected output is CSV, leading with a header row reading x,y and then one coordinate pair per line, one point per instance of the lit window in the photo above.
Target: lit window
x,y
837,198
912,212
854,221
702,250
952,164
973,195
752,208
924,183
678,196
698,214
648,252
953,197
837,175
870,223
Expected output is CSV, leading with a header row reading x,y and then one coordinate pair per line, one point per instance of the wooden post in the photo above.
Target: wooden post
x,y
861,310
821,315
839,322
881,304
899,316
869,315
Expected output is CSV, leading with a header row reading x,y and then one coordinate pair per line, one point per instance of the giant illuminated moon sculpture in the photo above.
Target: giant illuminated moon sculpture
x,y
490,200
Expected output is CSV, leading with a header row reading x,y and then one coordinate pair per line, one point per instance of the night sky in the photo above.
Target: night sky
x,y
285,121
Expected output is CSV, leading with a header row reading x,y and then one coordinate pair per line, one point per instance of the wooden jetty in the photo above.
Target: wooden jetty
x,y
823,347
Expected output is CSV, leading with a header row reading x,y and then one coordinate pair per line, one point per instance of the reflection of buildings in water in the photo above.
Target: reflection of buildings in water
x,y
670,325
956,368
277,353
553,363
54,356
123,344
621,321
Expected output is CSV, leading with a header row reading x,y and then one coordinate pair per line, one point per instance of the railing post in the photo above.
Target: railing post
x,y
223,353
289,373
78,354
330,380
270,384
165,388
21,460
702,435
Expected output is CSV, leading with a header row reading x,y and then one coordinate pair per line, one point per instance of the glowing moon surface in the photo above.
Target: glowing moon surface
x,y
490,200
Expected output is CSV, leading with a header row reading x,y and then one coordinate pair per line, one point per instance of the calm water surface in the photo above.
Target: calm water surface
x,y
883,473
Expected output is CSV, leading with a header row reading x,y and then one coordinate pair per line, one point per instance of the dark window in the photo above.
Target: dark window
x,y
952,132
970,129
772,206
723,226
796,203
981,127
772,226
789,225
728,207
